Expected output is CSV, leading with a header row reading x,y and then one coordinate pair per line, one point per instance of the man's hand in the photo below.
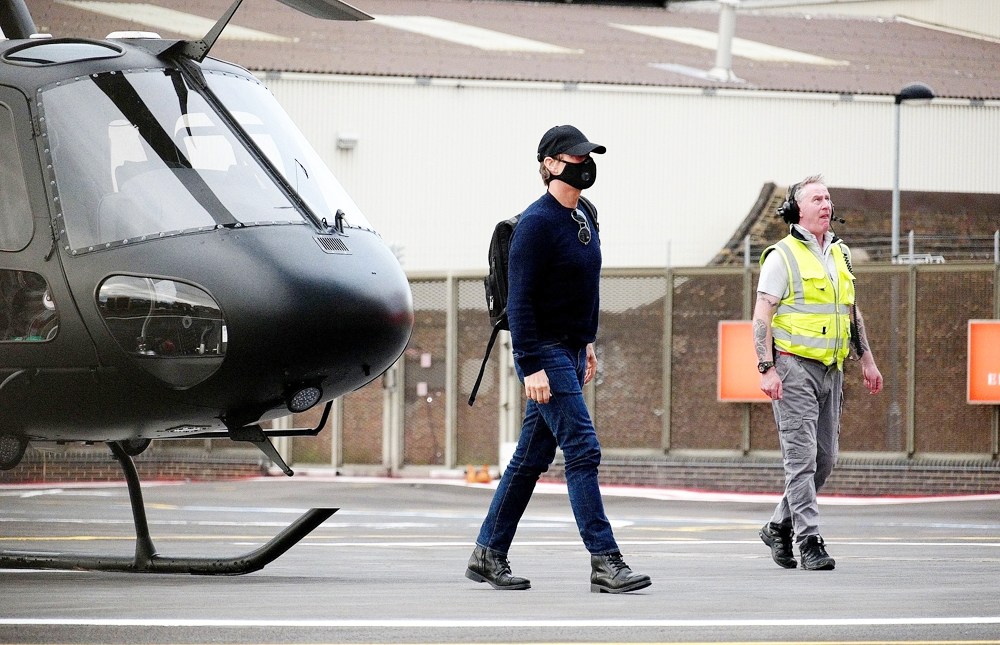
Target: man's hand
x,y
591,364
770,384
536,387
873,378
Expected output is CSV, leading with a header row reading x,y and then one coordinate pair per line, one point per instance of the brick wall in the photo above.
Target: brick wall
x,y
850,477
94,464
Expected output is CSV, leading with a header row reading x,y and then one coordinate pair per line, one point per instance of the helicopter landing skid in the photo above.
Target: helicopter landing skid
x,y
147,560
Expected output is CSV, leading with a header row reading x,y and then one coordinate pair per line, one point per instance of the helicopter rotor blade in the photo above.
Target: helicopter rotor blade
x,y
327,9
16,22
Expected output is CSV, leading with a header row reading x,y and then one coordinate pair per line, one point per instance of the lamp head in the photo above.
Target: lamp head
x,y
915,93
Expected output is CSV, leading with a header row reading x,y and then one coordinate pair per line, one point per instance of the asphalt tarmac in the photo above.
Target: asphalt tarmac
x,y
389,568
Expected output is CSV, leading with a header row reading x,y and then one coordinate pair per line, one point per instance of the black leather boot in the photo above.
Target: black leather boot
x,y
610,574
779,538
814,555
487,565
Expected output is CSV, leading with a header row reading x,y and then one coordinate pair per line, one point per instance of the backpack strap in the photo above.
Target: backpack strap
x,y
489,348
591,210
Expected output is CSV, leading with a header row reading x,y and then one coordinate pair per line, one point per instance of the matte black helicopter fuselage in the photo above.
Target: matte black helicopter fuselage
x,y
181,278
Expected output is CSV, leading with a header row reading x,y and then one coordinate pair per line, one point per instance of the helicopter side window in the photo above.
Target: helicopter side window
x,y
27,311
16,225
173,330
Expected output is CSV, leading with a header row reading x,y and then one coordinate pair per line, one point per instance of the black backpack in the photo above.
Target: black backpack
x,y
496,281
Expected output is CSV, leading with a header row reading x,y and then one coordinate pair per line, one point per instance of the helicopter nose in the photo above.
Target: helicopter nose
x,y
356,322
380,321
306,327
358,336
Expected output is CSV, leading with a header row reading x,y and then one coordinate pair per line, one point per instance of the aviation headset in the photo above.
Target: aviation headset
x,y
789,210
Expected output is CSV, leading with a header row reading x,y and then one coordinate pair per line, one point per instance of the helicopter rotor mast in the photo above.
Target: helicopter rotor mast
x,y
15,20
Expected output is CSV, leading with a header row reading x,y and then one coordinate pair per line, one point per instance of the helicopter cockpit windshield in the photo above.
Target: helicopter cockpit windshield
x,y
139,155
274,133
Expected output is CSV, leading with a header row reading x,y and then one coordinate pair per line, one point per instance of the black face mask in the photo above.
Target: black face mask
x,y
579,175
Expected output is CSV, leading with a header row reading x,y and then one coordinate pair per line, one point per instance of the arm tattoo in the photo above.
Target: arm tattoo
x,y
763,313
771,301
862,334
760,339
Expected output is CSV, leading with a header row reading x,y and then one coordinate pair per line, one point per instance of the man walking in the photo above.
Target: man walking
x,y
553,305
802,329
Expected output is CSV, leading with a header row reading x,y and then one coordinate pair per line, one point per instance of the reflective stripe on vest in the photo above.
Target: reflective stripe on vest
x,y
813,320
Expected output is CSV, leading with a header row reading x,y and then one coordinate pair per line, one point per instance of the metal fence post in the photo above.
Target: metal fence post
x,y
337,432
509,399
747,315
995,430
911,358
451,372
392,416
668,342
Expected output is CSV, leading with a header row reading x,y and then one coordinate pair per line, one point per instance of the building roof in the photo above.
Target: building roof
x,y
592,44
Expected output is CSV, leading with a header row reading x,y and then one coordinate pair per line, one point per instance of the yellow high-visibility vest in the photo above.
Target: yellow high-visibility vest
x,y
814,320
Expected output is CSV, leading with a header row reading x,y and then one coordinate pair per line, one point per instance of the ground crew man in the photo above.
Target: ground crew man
x,y
802,334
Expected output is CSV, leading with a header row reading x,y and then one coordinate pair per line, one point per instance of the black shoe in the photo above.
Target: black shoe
x,y
487,565
610,574
779,538
814,555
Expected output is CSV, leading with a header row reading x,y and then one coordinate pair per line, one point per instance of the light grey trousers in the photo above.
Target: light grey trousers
x,y
808,419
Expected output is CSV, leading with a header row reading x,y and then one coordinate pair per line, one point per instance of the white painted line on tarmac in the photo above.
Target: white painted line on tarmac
x,y
665,494
462,624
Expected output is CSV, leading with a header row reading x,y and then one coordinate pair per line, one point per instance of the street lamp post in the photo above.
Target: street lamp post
x,y
913,93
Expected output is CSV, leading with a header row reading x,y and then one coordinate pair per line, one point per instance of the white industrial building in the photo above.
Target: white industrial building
x,y
430,118
683,167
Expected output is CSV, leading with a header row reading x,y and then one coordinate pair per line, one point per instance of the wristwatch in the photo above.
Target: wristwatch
x,y
763,366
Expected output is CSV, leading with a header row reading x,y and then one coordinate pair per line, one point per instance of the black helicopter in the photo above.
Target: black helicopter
x,y
176,262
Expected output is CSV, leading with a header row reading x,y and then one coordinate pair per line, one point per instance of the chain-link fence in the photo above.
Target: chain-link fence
x,y
656,386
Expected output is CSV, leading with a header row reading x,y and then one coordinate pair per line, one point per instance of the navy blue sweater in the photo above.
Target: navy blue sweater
x,y
554,282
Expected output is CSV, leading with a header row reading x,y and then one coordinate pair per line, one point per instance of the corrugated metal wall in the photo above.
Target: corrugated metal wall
x,y
438,163
977,16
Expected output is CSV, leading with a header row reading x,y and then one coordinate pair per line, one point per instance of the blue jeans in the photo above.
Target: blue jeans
x,y
563,421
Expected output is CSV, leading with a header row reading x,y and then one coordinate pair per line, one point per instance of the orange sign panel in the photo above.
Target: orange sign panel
x,y
739,380
984,361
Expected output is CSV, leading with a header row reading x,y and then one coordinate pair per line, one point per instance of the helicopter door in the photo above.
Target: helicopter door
x,y
39,326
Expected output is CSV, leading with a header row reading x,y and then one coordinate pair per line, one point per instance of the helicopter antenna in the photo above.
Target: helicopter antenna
x,y
326,9
15,20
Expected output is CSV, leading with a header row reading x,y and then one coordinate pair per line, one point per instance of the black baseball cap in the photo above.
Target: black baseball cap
x,y
565,139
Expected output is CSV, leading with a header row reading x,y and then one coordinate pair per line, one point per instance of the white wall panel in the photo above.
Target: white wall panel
x,y
438,164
